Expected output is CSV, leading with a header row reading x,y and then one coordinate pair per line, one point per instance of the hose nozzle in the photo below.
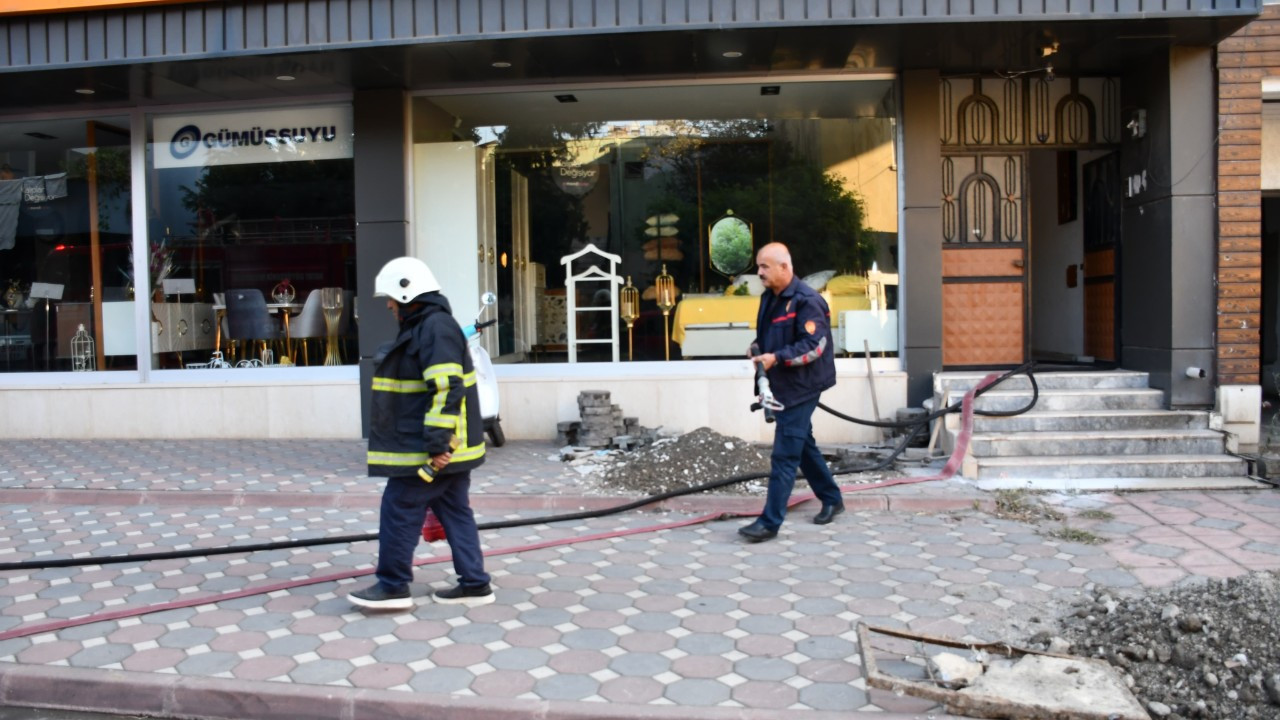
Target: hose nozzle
x,y
764,395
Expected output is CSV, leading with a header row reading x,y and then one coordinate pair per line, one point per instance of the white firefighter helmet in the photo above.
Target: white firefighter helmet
x,y
404,279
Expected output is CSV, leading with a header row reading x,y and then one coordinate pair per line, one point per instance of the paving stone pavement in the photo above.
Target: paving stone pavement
x,y
599,617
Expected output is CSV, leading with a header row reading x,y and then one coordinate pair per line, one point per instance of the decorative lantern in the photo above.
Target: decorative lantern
x,y
83,358
666,292
630,311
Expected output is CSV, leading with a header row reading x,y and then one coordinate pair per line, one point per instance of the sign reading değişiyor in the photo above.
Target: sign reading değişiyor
x,y
253,136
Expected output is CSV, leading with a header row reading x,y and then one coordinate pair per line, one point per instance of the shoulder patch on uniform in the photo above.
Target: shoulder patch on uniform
x,y
811,327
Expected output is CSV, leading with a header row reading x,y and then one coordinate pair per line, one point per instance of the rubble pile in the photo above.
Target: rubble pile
x,y
1206,650
672,461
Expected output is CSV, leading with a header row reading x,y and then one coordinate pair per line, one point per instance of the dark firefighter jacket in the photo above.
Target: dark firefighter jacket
x,y
795,325
424,392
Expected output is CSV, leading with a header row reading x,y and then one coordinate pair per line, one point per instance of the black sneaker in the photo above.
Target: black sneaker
x,y
463,595
378,597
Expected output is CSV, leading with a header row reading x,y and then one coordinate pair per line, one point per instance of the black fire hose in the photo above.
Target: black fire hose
x,y
917,426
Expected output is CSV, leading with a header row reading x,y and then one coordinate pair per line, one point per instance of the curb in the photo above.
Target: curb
x,y
175,696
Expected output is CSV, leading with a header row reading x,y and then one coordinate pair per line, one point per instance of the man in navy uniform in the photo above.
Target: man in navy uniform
x,y
793,342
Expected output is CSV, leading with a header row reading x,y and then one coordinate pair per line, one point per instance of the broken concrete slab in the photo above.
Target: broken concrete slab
x,y
1014,682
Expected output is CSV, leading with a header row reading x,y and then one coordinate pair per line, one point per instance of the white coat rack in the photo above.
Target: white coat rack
x,y
592,274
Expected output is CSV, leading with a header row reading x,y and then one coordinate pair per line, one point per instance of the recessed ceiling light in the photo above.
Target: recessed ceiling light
x,y
85,91
732,54
770,89
285,78
501,64
566,98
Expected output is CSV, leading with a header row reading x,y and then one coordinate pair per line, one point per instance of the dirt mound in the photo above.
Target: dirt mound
x,y
1209,650
691,459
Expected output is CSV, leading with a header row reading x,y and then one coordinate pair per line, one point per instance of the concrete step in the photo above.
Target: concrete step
x,y
1116,444
1070,380
1021,468
1068,420
1061,400
1235,482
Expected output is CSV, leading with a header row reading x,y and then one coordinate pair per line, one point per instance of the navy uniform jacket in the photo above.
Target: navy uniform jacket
x,y
795,326
424,391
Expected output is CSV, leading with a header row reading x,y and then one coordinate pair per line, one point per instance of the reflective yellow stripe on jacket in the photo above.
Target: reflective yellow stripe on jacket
x,y
396,459
441,376
399,386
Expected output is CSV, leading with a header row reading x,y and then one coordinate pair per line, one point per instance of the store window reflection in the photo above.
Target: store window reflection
x,y
252,253
65,244
690,198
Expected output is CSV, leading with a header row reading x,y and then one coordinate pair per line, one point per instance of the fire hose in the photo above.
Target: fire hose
x,y
965,406
916,425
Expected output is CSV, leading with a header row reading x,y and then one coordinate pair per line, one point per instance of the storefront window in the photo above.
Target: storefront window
x,y
252,239
65,244
690,199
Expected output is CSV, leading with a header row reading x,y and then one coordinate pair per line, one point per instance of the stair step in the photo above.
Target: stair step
x,y
1101,420
1060,400
1109,443
1078,380
1107,466
1229,482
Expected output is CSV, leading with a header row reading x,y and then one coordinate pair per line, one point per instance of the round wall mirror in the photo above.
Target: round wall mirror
x,y
729,241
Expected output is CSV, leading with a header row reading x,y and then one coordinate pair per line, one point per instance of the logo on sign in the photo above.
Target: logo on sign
x,y
577,181
189,138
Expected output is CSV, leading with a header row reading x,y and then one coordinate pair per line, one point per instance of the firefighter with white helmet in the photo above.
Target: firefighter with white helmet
x,y
426,436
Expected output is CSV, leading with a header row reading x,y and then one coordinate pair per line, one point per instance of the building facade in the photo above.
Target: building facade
x,y
209,188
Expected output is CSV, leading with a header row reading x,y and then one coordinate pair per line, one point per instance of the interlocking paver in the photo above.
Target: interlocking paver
x,y
687,616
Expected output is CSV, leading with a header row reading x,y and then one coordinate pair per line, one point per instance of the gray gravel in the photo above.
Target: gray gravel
x,y
1204,650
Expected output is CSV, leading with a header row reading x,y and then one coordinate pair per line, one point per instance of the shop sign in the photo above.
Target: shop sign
x,y
578,180
253,136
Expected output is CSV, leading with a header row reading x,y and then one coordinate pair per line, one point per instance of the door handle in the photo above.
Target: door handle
x,y
1019,263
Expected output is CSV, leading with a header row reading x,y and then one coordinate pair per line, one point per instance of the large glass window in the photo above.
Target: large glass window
x,y
682,204
252,239
65,244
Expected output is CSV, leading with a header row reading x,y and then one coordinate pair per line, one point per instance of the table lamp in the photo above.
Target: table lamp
x,y
666,292
630,311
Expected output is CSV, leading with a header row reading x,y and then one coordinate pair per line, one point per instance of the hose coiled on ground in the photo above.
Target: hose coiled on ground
x,y
916,425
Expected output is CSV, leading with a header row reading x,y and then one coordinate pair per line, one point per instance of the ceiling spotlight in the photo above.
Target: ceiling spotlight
x,y
85,91
501,64
731,54
770,89
285,78
566,98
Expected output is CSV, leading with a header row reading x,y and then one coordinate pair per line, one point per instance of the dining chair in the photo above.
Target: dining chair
x,y
248,320
309,324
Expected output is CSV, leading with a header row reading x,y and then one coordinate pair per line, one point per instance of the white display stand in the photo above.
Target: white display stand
x,y
726,339
592,274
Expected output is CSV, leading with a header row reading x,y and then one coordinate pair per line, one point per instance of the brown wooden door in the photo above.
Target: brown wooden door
x,y
1101,255
984,259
